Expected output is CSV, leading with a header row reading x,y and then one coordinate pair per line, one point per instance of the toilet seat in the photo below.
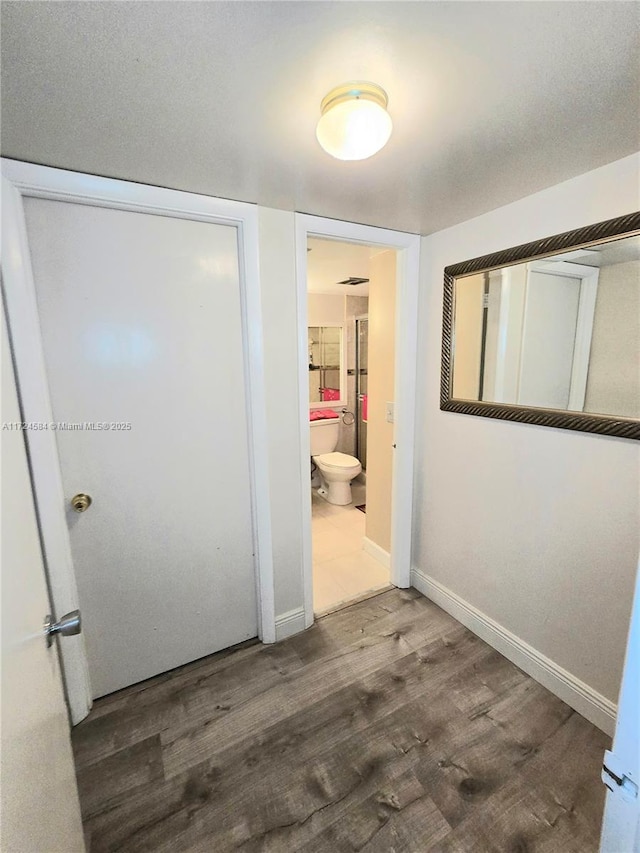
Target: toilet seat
x,y
337,461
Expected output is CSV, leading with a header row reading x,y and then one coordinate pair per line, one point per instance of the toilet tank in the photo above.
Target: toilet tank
x,y
324,435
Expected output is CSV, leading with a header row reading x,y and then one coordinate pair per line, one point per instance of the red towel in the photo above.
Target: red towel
x,y
321,414
329,394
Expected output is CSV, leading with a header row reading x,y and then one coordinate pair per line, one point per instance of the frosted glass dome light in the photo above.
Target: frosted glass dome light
x,y
354,123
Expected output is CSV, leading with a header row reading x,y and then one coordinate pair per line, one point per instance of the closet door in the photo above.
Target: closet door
x,y
142,324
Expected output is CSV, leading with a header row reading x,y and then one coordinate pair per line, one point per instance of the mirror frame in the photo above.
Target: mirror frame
x,y
611,229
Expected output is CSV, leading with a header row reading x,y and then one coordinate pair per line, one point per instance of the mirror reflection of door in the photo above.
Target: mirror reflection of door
x,y
549,338
523,335
539,320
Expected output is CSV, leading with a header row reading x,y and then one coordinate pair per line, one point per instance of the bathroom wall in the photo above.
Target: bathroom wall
x,y
325,309
534,528
613,385
382,304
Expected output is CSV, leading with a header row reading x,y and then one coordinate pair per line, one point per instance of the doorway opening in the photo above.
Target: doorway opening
x,y
351,382
357,287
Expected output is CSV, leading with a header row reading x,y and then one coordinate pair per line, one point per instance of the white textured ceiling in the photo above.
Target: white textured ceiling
x,y
490,101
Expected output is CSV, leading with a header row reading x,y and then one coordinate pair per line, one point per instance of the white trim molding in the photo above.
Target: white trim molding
x,y
23,180
584,699
375,551
407,247
289,623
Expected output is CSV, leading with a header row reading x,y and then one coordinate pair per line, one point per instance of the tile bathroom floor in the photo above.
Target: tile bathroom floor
x,y
342,571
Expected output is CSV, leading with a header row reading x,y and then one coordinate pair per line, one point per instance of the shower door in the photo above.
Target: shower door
x,y
362,390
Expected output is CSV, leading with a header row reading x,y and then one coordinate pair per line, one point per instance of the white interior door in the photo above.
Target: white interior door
x,y
39,799
548,339
142,325
621,770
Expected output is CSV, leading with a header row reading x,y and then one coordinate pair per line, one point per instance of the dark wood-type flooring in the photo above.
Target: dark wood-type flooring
x,y
386,727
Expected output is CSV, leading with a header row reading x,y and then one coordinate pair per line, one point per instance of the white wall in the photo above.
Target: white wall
x,y
613,384
279,311
325,309
535,527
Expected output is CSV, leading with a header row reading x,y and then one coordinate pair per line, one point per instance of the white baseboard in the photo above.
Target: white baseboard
x,y
378,553
578,695
290,623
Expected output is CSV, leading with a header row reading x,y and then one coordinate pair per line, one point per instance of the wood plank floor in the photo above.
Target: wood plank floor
x,y
386,727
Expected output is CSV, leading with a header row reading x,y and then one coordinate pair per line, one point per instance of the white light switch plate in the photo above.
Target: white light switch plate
x,y
390,412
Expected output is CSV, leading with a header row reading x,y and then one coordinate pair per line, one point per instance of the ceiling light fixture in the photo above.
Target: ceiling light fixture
x,y
354,123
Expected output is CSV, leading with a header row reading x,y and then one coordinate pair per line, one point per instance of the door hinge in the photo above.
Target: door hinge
x,y
485,300
616,779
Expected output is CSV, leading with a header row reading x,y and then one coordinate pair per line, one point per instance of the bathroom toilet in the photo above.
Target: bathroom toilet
x,y
336,470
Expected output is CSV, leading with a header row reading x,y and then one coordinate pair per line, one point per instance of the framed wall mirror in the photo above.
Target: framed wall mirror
x,y
327,379
548,332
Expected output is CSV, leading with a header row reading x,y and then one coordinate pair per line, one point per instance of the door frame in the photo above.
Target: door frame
x,y
407,247
27,180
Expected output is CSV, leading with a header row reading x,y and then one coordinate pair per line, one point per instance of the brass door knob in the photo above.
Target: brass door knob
x,y
80,502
